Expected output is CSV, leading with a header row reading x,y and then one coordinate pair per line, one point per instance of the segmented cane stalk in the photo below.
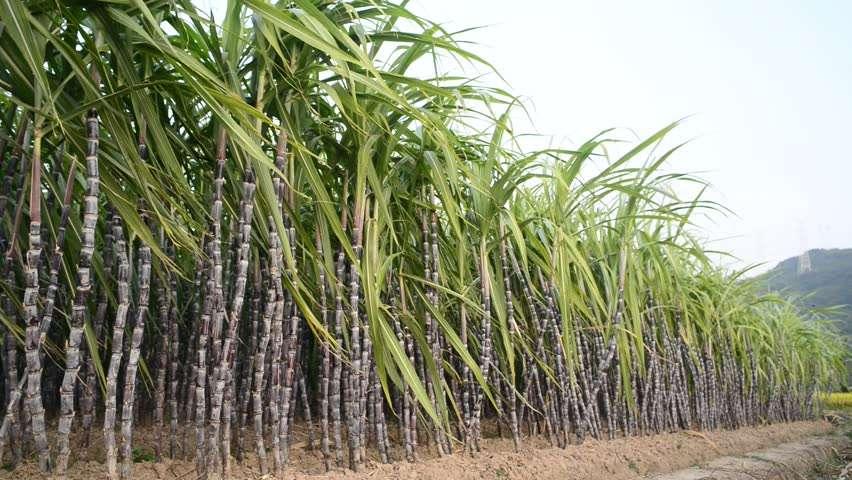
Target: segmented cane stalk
x,y
485,344
216,376
91,388
513,328
616,323
325,442
437,338
31,297
405,413
14,392
58,252
129,396
195,327
174,362
260,364
13,179
432,389
277,347
235,314
365,405
250,364
162,360
292,349
379,414
566,386
337,361
414,359
84,287
467,383
123,297
11,430
201,372
355,371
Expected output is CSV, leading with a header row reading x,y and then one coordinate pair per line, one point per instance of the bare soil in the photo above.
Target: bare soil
x,y
818,457
619,459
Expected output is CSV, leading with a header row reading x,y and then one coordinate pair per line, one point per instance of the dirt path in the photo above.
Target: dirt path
x,y
620,459
788,461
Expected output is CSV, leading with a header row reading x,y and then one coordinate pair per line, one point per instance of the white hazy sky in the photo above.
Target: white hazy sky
x,y
767,86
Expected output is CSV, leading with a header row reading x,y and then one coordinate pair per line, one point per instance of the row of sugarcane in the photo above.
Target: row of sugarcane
x,y
233,250
227,360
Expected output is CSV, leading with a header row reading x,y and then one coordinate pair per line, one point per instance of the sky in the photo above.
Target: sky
x,y
765,88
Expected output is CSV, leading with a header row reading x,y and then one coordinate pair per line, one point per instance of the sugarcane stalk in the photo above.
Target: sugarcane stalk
x,y
226,359
47,314
174,361
12,180
91,390
216,373
162,361
405,413
379,417
260,364
249,365
306,405
84,287
11,429
277,347
192,357
129,396
515,331
606,360
325,441
31,298
90,387
292,349
434,385
123,297
337,362
201,374
355,371
485,345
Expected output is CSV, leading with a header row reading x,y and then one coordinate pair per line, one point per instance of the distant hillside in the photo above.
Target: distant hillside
x,y
829,280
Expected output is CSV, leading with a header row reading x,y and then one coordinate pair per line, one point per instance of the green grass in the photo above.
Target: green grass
x,y
837,400
141,455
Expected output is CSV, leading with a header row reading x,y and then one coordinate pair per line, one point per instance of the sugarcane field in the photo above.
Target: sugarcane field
x,y
295,239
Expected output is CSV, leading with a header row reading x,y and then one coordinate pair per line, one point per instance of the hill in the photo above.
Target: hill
x,y
828,281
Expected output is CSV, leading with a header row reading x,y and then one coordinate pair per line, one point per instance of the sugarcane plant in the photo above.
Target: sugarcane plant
x,y
267,233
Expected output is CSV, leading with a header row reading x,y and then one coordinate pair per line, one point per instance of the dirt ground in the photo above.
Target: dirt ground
x,y
809,458
620,459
